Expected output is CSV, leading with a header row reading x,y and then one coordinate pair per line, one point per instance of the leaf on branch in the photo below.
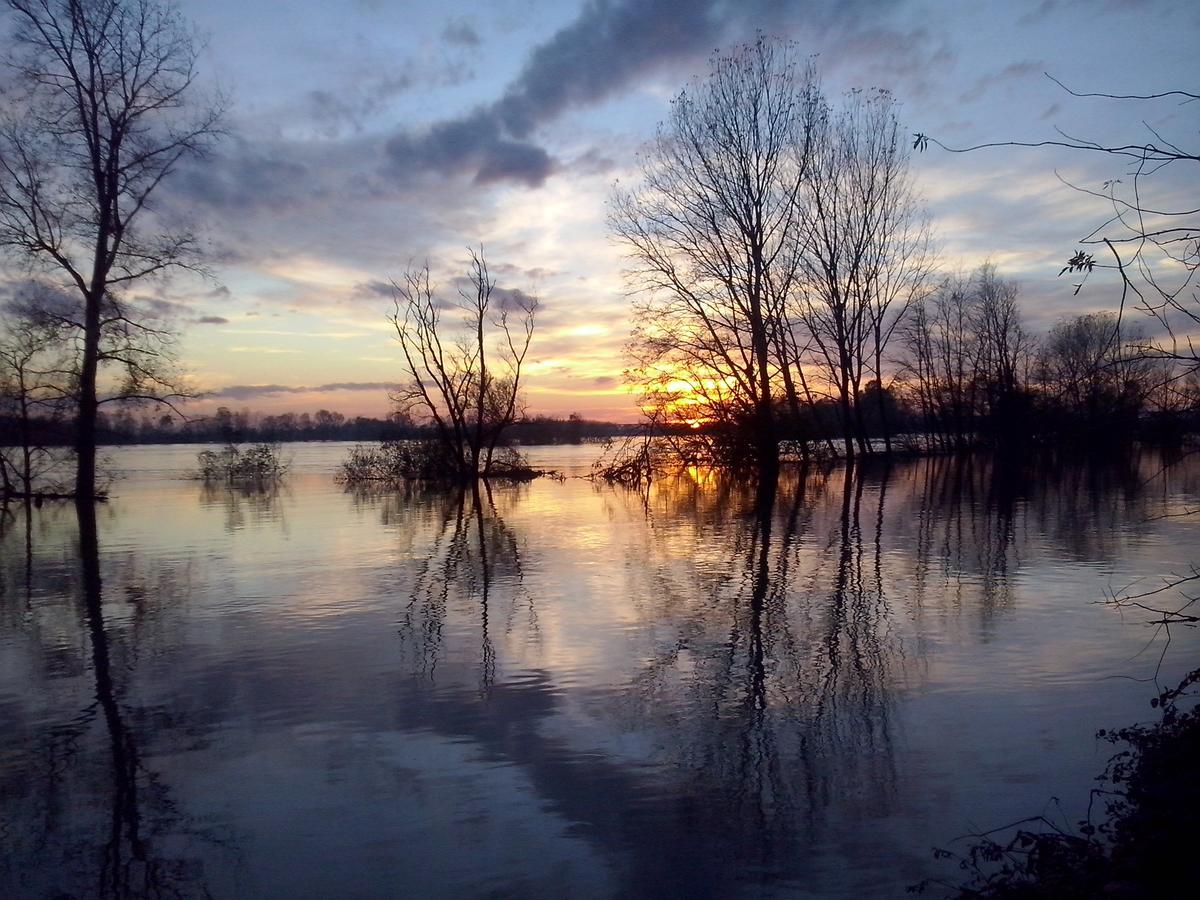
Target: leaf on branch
x,y
1080,262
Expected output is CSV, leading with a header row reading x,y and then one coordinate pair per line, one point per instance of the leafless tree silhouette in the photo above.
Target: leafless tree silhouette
x,y
102,116
463,377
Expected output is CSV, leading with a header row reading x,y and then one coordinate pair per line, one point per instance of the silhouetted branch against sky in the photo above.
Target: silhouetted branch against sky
x,y
1147,223
364,135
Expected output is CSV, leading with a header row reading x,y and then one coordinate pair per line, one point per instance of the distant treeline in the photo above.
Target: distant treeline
x,y
134,426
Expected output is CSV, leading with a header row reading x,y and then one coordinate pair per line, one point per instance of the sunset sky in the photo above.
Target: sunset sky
x,y
366,134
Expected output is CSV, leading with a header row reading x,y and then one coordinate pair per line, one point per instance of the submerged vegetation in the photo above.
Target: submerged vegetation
x,y
462,378
394,462
260,464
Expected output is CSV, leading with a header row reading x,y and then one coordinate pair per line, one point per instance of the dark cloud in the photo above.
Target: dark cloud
x,y
157,308
240,176
537,273
609,45
212,320
461,33
248,391
603,50
476,145
606,46
350,108
592,162
1040,13
374,289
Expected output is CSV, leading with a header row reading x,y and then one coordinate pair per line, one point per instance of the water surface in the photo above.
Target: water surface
x,y
564,689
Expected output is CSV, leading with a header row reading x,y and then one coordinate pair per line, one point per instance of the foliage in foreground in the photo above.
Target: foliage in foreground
x,y
1142,847
393,462
257,464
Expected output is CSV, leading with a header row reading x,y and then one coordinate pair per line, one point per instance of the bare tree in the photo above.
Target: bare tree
x,y
1004,342
943,357
865,249
1151,235
102,117
968,357
465,377
708,237
35,382
1092,380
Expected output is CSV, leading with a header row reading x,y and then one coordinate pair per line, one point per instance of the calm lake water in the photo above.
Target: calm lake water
x,y
561,689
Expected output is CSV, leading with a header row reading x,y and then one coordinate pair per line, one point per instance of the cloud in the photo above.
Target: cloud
x,y
609,45
475,145
334,110
241,176
601,51
461,33
1012,72
212,320
248,391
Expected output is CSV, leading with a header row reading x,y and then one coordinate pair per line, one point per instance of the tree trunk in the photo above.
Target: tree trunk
x,y
883,420
85,426
847,421
766,441
26,441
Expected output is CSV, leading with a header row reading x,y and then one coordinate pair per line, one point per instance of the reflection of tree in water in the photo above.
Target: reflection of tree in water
x,y
253,502
784,618
76,838
465,557
963,516
972,522
774,681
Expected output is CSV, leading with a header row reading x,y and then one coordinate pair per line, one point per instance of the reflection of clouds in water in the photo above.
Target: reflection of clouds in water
x,y
705,680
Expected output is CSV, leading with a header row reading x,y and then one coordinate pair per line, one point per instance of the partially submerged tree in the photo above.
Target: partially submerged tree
x,y
463,377
771,235
35,383
1092,382
102,115
864,248
967,359
709,236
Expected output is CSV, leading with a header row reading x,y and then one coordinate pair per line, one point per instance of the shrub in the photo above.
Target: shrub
x,y
260,463
392,462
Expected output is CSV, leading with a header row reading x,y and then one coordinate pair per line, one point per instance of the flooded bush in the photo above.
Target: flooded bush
x,y
637,460
257,464
392,462
629,461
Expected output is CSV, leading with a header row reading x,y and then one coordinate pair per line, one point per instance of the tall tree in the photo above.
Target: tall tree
x,y
464,377
708,237
103,115
864,247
